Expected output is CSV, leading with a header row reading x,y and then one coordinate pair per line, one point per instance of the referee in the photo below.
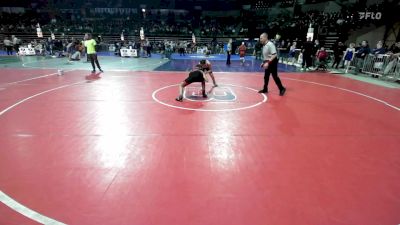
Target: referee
x,y
270,64
90,44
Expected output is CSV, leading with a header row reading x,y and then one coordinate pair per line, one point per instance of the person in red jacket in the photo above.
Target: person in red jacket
x,y
322,54
322,57
242,52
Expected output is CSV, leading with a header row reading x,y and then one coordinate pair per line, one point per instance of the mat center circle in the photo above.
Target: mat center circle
x,y
225,97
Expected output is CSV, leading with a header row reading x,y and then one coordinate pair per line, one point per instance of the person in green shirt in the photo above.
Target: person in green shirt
x,y
90,45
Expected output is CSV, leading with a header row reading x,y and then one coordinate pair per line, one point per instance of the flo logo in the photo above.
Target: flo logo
x,y
370,15
218,94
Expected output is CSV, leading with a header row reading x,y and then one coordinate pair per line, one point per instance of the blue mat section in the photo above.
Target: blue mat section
x,y
176,63
215,57
153,55
220,66
5,53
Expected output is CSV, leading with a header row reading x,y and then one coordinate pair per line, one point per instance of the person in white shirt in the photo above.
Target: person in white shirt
x,y
16,43
270,64
8,45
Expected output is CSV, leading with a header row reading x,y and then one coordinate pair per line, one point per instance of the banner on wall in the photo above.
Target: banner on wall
x,y
26,51
310,33
39,31
141,33
125,11
193,39
128,52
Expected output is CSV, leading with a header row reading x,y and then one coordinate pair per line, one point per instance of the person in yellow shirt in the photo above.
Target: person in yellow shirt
x,y
90,45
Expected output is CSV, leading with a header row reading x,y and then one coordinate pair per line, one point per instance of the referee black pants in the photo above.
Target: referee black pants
x,y
9,50
228,59
93,59
272,69
307,60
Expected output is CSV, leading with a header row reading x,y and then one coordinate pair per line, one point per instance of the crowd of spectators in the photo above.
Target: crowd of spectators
x,y
115,24
184,24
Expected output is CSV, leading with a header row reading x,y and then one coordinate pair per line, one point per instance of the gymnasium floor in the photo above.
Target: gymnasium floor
x,y
115,148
